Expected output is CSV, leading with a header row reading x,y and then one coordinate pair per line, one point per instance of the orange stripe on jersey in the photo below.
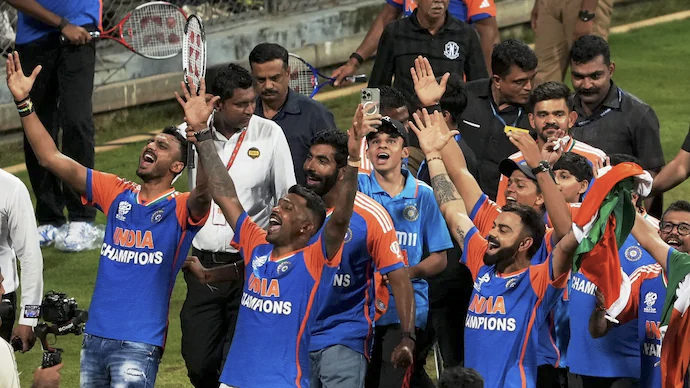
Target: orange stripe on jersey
x,y
302,326
476,248
105,188
373,211
477,7
172,284
528,332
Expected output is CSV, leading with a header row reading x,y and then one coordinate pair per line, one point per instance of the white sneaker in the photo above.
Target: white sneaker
x,y
77,237
46,234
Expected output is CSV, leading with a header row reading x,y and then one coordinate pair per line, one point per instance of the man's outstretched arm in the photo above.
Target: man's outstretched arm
x,y
47,153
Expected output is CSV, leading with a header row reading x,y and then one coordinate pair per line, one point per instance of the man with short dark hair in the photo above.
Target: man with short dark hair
x,y
149,230
283,269
551,117
610,118
512,294
494,103
299,116
451,46
256,154
574,176
342,336
460,377
648,291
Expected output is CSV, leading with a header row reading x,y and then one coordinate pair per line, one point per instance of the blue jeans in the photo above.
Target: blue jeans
x,y
337,367
126,364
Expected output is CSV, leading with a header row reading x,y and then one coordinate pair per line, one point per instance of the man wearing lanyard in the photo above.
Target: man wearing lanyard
x,y
494,103
258,158
610,118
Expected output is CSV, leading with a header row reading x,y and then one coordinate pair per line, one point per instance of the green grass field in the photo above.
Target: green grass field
x,y
648,65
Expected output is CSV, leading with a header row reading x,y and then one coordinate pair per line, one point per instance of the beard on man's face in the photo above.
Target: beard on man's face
x,y
323,184
501,255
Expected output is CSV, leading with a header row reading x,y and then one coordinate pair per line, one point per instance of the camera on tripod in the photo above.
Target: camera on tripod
x,y
61,316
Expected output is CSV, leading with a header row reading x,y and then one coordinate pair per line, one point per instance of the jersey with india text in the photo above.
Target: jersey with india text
x,y
647,294
506,310
347,312
270,347
144,247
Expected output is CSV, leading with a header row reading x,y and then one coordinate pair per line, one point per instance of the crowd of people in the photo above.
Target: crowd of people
x,y
485,209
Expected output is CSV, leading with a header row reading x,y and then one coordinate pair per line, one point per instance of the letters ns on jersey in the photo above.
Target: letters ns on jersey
x,y
133,238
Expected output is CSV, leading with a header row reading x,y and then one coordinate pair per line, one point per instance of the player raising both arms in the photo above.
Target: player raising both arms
x,y
284,268
511,297
148,232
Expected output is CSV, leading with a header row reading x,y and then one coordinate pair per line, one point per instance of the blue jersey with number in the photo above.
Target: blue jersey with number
x,y
78,12
617,354
270,347
346,315
144,247
504,317
420,228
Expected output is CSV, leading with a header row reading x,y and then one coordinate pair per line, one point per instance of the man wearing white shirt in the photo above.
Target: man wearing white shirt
x,y
258,158
19,241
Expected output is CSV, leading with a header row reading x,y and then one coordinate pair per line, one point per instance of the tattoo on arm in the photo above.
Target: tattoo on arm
x,y
460,236
218,178
444,189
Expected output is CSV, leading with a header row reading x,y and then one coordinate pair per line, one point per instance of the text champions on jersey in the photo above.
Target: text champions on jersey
x,y
132,239
264,288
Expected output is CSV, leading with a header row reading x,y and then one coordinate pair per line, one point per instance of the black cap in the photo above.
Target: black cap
x,y
393,128
508,166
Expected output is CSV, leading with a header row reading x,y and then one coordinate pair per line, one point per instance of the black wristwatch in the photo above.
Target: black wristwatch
x,y
204,134
63,23
585,15
410,335
543,166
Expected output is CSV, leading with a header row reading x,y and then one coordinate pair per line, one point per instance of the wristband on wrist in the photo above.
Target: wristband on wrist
x,y
431,159
357,57
204,134
410,335
25,107
353,163
601,308
63,23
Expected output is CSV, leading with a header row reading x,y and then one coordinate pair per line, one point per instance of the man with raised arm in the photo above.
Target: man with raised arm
x,y
674,327
148,232
283,268
511,297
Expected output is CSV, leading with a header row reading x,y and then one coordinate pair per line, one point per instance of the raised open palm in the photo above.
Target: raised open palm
x,y
431,131
19,84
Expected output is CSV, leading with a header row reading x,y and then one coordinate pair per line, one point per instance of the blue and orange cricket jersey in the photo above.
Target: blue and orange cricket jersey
x,y
270,347
144,247
468,11
647,295
617,354
551,351
347,309
420,228
504,317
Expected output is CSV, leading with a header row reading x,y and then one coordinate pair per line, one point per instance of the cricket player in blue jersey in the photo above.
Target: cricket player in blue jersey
x,y
283,270
342,336
647,295
420,229
149,230
511,297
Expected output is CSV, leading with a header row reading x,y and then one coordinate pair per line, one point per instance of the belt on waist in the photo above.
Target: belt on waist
x,y
216,258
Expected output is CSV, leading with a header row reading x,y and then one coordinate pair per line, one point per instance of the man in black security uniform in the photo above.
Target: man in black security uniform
x,y
450,45
300,117
494,103
610,118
